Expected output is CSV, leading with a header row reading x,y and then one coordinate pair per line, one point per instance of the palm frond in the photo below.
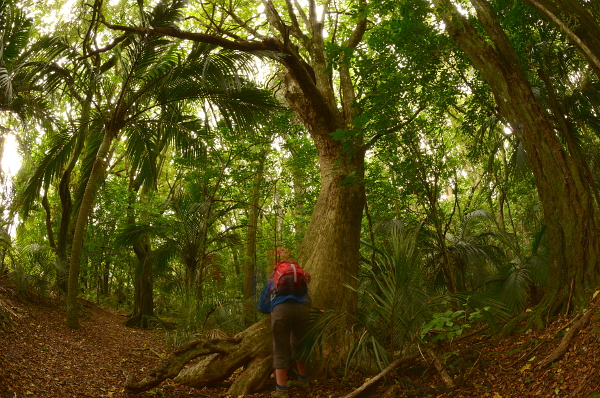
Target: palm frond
x,y
16,31
48,169
132,234
168,13
143,152
516,286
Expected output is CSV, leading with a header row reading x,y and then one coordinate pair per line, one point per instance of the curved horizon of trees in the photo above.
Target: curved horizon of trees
x,y
168,149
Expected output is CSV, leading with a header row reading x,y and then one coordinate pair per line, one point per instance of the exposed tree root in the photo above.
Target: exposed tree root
x,y
250,349
568,337
147,322
512,324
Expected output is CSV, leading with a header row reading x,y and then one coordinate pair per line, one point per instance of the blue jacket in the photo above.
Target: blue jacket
x,y
267,302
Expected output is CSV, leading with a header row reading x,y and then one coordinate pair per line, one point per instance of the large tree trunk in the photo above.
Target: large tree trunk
x,y
560,179
330,248
143,283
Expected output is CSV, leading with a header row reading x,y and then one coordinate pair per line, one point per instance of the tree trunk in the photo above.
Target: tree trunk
x,y
63,230
143,280
80,226
106,278
577,22
250,247
330,248
143,283
49,229
64,237
561,181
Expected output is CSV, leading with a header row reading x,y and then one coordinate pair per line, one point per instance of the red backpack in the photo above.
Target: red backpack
x,y
290,278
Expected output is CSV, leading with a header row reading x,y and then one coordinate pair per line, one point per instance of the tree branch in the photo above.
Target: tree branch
x,y
360,28
274,18
295,28
104,49
302,13
267,44
393,129
595,62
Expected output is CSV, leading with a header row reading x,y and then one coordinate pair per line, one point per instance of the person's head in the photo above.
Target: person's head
x,y
282,254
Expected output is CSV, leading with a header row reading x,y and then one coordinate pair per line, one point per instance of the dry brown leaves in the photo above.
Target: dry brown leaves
x,y
41,357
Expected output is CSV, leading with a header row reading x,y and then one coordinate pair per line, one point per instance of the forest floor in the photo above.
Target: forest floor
x,y
41,357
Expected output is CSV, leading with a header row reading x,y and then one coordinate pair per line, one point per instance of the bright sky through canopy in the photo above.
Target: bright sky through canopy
x,y
11,160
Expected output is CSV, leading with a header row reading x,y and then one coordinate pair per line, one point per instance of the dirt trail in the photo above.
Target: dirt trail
x,y
41,357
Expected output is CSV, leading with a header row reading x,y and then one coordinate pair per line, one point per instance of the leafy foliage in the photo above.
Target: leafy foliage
x,y
399,307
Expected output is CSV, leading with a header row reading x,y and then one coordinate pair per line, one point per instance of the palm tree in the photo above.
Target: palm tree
x,y
144,100
473,257
184,238
155,77
22,90
398,300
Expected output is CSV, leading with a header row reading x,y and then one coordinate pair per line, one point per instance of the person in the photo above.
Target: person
x,y
289,324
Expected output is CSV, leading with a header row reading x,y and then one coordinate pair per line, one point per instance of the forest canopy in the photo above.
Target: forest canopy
x,y
424,160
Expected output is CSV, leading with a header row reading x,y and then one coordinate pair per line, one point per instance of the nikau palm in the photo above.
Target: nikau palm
x,y
153,75
22,62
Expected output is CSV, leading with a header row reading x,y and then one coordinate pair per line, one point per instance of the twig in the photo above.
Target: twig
x,y
107,48
526,354
375,380
474,364
473,333
575,393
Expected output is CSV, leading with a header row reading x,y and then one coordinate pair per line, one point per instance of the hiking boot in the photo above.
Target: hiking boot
x,y
301,384
280,393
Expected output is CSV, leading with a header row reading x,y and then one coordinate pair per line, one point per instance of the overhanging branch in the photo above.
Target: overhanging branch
x,y
268,44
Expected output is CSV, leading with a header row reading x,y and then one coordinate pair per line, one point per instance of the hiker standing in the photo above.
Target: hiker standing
x,y
286,298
